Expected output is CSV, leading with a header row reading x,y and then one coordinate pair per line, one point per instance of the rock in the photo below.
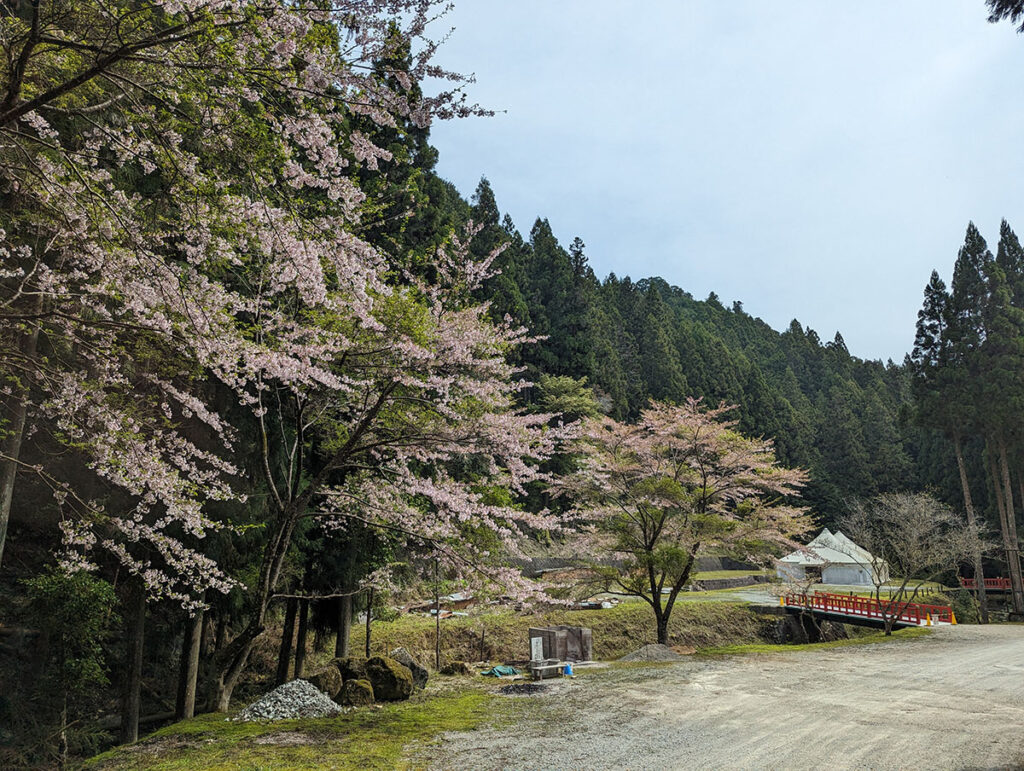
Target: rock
x,y
456,668
356,693
391,680
419,672
329,681
351,668
292,700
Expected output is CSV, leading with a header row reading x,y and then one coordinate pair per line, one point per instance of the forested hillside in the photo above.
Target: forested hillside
x,y
638,338
634,340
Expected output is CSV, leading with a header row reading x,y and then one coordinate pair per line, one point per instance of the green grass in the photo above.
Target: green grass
x,y
709,575
616,631
868,639
361,739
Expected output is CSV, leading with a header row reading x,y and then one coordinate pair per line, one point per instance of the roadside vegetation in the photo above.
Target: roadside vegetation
x,y
617,630
861,636
400,735
362,739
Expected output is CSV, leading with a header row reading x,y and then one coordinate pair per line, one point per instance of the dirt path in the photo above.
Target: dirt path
x,y
951,700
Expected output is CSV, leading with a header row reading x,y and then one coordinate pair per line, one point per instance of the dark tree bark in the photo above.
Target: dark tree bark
x,y
369,613
437,620
220,637
972,523
135,614
344,626
207,636
300,645
661,621
1012,543
10,449
188,673
62,739
284,655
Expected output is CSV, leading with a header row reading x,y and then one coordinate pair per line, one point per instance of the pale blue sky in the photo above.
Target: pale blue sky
x,y
813,159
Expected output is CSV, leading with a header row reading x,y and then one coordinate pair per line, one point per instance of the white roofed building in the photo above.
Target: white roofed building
x,y
833,559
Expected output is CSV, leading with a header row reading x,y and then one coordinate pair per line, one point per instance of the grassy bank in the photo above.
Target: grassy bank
x,y
860,639
616,631
375,738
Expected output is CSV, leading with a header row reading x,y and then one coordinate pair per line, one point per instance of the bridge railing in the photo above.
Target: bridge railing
x,y
996,584
869,607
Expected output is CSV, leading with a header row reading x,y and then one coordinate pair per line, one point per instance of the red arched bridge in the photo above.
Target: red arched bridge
x,y
868,611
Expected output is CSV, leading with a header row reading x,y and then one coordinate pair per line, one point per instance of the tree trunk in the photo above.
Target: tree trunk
x,y
185,707
662,624
1013,546
220,635
437,620
235,657
663,615
233,660
300,645
62,741
207,636
284,654
369,613
11,446
344,626
997,486
972,524
135,613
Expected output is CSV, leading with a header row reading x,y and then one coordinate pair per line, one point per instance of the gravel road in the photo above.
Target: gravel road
x,y
952,700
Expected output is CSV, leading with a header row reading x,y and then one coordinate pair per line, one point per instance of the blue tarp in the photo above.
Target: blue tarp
x,y
502,670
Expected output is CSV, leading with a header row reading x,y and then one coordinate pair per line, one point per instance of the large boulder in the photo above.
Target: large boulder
x,y
329,681
456,668
419,672
351,668
391,680
356,693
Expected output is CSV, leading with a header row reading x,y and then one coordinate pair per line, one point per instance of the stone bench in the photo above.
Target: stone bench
x,y
546,668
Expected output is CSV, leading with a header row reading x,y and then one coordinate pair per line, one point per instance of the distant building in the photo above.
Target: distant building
x,y
832,558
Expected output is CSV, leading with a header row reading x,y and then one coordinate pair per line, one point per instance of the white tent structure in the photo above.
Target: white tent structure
x,y
834,557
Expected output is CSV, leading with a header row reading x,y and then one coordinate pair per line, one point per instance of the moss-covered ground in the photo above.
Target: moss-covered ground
x,y
369,738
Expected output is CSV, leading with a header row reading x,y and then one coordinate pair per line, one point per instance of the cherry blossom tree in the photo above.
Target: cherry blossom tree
x,y
680,482
181,244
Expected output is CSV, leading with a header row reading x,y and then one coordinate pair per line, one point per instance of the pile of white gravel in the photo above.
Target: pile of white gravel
x,y
652,653
289,701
